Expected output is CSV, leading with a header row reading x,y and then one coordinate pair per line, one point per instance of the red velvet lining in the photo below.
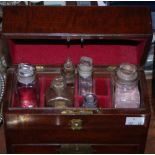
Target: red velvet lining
x,y
101,89
103,53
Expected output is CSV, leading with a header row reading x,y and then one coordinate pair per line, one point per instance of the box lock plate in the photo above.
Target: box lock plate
x,y
76,124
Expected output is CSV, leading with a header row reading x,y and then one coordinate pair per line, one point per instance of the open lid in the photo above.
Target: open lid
x,y
48,35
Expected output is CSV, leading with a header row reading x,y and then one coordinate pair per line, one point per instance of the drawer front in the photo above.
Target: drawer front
x,y
74,148
72,129
87,122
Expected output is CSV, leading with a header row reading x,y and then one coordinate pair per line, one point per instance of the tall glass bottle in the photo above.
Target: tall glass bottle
x,y
85,76
57,95
27,89
126,87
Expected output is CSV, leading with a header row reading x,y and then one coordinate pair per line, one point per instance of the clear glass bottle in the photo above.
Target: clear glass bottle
x,y
90,101
85,76
126,87
57,95
68,71
27,88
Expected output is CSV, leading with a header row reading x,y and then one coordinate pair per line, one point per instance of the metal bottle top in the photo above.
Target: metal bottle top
x,y
127,73
25,73
85,67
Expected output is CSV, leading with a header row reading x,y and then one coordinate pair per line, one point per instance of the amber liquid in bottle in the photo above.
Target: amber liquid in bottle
x,y
58,95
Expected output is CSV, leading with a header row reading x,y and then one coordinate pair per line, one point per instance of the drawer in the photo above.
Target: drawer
x,y
74,148
68,129
77,129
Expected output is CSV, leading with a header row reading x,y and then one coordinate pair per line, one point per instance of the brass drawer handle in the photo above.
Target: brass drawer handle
x,y
76,124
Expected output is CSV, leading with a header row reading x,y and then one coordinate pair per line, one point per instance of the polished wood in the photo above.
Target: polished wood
x,y
49,130
72,20
150,145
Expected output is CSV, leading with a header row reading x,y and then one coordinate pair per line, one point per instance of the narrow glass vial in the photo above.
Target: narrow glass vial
x,y
26,86
126,87
90,101
57,95
85,76
68,71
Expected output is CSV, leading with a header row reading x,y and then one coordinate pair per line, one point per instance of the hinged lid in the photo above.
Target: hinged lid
x,y
48,35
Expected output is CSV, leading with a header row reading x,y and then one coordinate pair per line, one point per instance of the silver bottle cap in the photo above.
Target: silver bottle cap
x,y
25,73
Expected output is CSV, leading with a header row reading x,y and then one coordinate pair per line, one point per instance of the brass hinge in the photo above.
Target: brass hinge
x,y
39,68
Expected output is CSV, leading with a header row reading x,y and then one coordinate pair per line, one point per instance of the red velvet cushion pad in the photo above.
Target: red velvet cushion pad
x,y
51,54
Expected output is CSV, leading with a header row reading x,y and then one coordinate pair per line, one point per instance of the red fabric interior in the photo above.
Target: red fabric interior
x,y
50,53
103,52
101,89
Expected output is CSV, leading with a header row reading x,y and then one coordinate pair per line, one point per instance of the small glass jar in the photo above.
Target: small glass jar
x,y
90,101
68,71
126,87
85,76
57,95
27,88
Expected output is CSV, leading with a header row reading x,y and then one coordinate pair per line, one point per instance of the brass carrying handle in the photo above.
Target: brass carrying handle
x,y
76,124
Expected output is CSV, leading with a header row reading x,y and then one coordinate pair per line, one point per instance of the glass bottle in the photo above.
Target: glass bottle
x,y
85,76
68,71
126,87
27,89
90,101
57,95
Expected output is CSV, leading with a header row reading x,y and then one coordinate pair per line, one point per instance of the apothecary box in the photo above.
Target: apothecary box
x,y
45,37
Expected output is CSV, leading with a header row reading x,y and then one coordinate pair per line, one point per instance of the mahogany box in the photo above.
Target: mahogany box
x,y
46,36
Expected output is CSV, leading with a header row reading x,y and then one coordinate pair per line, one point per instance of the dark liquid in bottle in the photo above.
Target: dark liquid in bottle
x,y
27,96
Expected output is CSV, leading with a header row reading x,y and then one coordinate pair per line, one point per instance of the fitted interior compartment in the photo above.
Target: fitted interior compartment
x,y
102,91
104,52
